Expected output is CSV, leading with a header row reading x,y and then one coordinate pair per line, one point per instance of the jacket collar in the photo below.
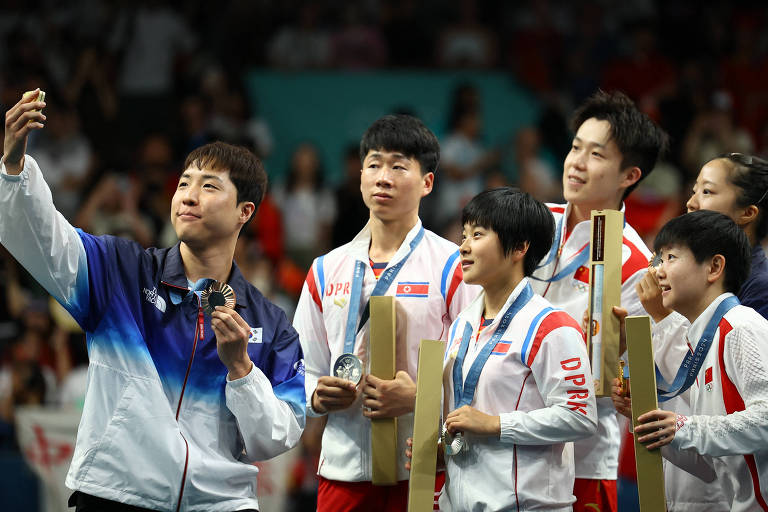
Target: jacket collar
x,y
173,276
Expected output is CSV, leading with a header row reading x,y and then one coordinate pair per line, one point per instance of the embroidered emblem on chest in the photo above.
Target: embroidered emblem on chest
x,y
152,297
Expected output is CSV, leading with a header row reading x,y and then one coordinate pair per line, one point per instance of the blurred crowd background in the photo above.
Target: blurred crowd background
x,y
133,86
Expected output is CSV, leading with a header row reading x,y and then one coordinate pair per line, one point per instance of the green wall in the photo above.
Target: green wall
x,y
333,109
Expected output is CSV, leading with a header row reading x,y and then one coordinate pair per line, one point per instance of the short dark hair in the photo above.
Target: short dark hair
x,y
245,169
405,134
707,233
750,175
640,140
516,217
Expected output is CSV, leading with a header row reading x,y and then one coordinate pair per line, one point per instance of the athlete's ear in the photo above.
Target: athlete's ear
x,y
247,209
631,176
716,268
429,181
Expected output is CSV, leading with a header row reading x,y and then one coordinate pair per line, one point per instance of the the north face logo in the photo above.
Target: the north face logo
x,y
153,298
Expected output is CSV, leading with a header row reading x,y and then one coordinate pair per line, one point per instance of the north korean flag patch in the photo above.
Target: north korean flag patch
x,y
412,289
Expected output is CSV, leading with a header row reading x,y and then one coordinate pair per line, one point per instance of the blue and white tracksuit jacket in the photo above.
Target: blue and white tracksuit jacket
x,y
162,426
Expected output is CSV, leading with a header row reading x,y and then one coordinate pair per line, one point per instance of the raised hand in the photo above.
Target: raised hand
x,y
649,293
21,119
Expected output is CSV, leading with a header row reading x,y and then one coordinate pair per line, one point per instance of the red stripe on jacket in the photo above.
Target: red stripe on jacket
x,y
734,403
458,276
312,287
636,261
551,322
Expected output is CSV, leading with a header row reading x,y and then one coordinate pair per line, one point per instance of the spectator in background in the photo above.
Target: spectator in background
x,y
303,45
232,117
352,212
464,158
468,42
112,208
67,156
156,180
42,348
149,40
308,207
92,90
259,270
195,124
644,73
410,41
536,176
743,70
358,44
714,132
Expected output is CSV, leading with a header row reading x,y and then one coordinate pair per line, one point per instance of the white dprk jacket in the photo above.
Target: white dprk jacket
x,y
429,293
538,381
727,429
597,457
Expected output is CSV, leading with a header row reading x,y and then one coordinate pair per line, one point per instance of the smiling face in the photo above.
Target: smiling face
x,y
713,191
685,283
592,175
204,208
392,185
482,257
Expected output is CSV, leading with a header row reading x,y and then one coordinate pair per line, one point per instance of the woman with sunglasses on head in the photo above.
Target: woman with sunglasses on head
x,y
736,185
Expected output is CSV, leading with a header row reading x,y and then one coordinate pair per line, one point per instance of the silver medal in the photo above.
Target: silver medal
x,y
452,444
348,367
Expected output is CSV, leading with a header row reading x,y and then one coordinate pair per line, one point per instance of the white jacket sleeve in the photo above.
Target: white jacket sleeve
x,y
37,235
698,465
669,344
308,322
562,373
252,397
745,429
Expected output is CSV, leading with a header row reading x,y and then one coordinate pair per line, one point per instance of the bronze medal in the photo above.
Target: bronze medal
x,y
217,294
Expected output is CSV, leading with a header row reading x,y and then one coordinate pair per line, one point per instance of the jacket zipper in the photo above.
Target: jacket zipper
x,y
199,335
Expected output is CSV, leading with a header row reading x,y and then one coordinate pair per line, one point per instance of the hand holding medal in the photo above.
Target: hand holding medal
x,y
649,291
232,332
467,419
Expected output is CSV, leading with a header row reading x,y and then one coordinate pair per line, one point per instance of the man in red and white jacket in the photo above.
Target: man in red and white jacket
x,y
614,147
399,157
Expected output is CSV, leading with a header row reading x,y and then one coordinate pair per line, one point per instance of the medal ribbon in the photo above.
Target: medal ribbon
x,y
689,370
580,259
464,390
382,285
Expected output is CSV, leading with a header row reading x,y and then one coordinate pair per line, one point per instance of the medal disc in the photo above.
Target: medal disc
x,y
655,261
452,444
348,367
217,294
